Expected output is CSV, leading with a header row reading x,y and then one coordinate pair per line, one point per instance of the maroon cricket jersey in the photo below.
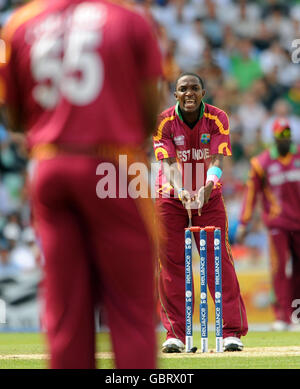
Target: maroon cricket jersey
x,y
176,139
84,62
277,179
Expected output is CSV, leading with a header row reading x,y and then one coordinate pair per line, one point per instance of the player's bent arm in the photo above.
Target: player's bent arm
x,y
217,160
173,174
174,177
214,174
253,187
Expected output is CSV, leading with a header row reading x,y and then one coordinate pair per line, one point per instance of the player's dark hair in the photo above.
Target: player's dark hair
x,y
189,74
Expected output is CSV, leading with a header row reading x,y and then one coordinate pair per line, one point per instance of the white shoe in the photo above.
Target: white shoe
x,y
231,343
172,345
279,325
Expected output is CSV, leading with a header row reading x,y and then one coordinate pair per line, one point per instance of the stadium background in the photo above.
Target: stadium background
x,y
243,50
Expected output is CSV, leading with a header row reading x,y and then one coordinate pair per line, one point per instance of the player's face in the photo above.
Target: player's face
x,y
283,142
189,93
283,145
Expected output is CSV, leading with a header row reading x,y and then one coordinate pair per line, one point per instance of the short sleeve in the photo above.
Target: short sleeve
x,y
220,135
163,144
11,46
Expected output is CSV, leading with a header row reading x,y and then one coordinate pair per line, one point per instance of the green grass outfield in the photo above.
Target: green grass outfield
x,y
263,350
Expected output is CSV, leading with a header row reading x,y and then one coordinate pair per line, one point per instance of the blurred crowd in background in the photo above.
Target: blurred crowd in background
x,y
245,52
242,49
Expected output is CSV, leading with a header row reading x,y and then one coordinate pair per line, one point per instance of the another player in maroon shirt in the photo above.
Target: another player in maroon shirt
x,y
81,79
275,177
193,135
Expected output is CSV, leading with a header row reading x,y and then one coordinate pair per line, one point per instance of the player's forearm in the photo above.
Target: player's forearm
x,y
215,169
173,173
217,161
249,202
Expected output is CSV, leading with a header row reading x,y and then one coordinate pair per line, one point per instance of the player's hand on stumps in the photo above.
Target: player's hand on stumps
x,y
204,195
200,199
186,199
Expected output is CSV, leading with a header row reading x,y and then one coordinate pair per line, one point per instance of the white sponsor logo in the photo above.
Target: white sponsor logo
x,y
203,295
284,177
188,241
188,293
87,16
202,242
179,140
274,168
217,295
217,242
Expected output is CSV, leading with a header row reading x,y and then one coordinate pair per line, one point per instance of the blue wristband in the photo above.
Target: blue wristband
x,y
215,171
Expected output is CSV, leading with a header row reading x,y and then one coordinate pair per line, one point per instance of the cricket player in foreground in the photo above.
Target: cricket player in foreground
x,y
275,176
81,80
192,132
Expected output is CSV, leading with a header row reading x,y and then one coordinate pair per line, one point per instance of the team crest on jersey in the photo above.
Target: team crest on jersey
x,y
179,140
297,163
205,138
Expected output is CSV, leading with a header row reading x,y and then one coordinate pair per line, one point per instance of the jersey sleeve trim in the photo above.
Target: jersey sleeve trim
x,y
158,137
21,16
218,123
162,151
257,167
224,149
